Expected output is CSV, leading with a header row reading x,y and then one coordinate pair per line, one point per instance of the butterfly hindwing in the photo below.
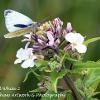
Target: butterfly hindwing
x,y
18,32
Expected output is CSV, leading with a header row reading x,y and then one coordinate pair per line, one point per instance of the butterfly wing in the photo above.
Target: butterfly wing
x,y
18,32
15,21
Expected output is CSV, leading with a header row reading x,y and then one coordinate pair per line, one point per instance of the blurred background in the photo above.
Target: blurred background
x,y
83,14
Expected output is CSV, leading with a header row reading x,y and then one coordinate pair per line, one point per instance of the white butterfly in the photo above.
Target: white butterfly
x,y
17,23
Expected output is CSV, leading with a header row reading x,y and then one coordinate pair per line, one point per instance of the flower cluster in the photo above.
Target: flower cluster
x,y
51,36
48,37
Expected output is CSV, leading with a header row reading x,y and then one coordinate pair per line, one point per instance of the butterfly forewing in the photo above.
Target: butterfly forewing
x,y
13,18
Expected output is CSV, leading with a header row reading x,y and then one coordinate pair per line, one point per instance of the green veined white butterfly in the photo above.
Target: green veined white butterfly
x,y
18,24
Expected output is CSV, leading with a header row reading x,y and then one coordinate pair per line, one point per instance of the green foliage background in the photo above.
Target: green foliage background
x,y
83,14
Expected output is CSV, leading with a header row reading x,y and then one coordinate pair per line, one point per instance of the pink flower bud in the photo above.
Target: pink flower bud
x,y
69,27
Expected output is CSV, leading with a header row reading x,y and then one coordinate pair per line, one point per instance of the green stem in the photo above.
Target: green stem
x,y
62,43
62,58
91,40
71,85
37,75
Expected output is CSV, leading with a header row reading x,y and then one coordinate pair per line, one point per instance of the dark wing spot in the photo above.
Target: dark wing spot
x,y
21,25
7,12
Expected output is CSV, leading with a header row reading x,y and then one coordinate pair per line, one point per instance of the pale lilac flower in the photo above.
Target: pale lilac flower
x,y
43,42
50,38
68,47
26,57
76,40
69,27
57,23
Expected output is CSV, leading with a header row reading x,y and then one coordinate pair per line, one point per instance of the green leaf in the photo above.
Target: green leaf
x,y
96,93
88,85
79,86
32,71
93,78
54,78
85,65
40,63
91,40
93,99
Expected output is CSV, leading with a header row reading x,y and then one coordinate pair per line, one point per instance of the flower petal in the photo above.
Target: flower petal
x,y
27,63
28,51
21,54
27,36
81,48
70,37
17,61
76,38
50,37
32,64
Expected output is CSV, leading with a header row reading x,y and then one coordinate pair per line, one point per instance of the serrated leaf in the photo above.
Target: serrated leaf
x,y
89,83
54,78
93,78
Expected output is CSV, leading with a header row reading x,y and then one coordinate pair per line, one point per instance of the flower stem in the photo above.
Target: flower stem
x,y
71,85
37,75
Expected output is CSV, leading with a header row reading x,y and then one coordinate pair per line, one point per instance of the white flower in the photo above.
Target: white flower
x,y
26,57
27,37
76,40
